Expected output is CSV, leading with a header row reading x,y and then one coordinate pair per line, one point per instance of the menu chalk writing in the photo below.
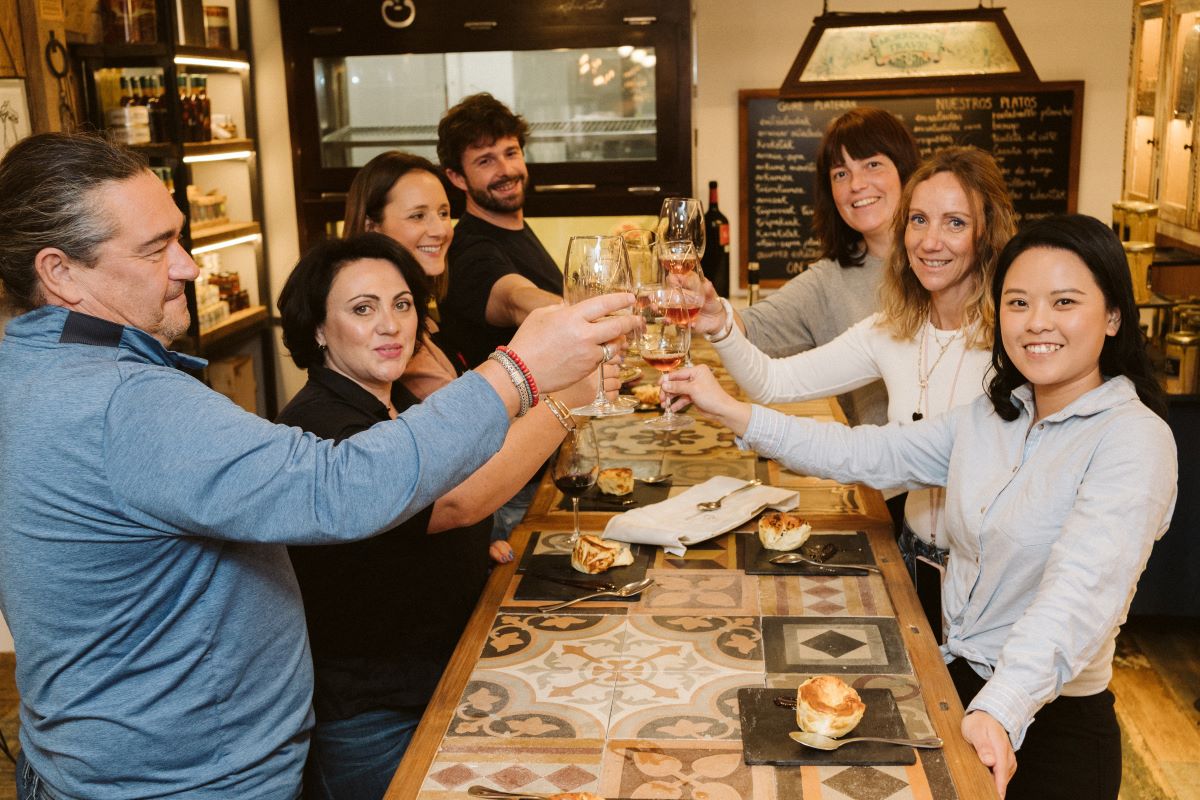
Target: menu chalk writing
x,y
1032,131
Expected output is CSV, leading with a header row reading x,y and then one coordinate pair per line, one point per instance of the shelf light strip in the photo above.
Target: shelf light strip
x,y
222,63
208,248
233,155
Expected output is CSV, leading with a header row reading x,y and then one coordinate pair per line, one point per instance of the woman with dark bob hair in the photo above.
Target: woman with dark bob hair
x,y
383,614
1058,482
865,158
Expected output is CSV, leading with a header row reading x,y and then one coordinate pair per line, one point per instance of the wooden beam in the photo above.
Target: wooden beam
x,y
38,18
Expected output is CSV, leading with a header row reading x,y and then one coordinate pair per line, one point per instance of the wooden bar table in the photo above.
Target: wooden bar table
x,y
638,698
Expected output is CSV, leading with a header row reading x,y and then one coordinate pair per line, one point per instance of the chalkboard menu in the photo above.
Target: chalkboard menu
x,y
1033,132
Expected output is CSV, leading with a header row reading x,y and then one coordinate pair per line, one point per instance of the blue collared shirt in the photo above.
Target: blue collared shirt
x,y
1049,524
160,638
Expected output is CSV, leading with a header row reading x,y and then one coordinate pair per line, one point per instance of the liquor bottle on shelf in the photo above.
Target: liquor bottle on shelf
x,y
715,261
187,109
158,111
752,281
203,111
126,97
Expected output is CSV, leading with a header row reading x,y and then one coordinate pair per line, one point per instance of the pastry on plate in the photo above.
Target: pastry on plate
x,y
615,480
646,393
829,706
780,530
575,796
593,554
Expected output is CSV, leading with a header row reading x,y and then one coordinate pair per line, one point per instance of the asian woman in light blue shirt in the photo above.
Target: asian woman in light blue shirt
x,y
1058,483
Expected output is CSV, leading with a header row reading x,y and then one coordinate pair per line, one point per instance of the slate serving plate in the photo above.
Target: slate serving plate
x,y
853,549
557,564
642,495
765,729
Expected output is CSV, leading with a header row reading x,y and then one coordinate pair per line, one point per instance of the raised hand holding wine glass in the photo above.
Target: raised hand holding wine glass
x,y
665,343
596,265
576,465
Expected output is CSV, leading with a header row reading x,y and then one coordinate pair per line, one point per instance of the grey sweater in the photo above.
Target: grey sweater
x,y
814,308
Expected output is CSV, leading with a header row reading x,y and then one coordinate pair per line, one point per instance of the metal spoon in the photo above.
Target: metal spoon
x,y
819,742
796,558
497,794
628,590
654,479
713,505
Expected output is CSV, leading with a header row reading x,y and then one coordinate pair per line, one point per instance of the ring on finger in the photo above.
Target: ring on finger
x,y
607,354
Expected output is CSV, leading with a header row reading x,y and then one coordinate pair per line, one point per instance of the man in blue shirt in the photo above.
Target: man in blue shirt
x,y
159,632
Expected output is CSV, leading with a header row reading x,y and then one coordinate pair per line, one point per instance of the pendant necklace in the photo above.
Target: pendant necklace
x,y
922,375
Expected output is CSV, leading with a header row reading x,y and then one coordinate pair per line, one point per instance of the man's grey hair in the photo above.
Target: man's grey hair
x,y
47,199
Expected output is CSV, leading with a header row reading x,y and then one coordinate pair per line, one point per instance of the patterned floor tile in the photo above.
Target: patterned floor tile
x,y
823,595
693,643
568,642
555,705
834,645
699,592
545,765
678,705
705,770
904,689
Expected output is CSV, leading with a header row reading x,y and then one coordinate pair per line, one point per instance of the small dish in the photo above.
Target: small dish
x,y
629,375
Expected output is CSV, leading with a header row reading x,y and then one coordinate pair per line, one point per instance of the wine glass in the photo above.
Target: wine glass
x,y
576,465
645,270
596,265
681,268
665,344
681,218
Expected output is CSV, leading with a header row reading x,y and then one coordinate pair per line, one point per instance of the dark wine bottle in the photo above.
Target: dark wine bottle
x,y
716,255
752,281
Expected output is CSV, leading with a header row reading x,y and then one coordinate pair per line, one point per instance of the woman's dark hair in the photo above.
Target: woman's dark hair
x,y
861,132
1096,246
368,194
302,301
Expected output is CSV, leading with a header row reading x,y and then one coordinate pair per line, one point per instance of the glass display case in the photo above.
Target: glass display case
x,y
605,87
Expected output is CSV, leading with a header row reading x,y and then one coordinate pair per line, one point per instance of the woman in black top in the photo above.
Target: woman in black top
x,y
384,614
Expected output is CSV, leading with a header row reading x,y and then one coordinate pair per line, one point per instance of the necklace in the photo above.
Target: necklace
x,y
923,375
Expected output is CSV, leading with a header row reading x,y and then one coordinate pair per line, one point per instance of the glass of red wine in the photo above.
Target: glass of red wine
x,y
576,465
665,342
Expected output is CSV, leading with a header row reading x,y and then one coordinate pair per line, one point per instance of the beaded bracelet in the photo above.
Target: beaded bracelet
x,y
508,351
518,380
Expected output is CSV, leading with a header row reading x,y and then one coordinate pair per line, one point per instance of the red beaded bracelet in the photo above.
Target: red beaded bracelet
x,y
508,351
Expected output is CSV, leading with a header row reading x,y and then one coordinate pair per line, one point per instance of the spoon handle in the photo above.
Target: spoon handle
x,y
497,794
565,603
931,743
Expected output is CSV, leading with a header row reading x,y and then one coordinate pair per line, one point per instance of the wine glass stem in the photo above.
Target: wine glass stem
x,y
600,401
668,413
575,512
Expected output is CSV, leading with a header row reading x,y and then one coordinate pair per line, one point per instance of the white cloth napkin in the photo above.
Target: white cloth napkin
x,y
676,523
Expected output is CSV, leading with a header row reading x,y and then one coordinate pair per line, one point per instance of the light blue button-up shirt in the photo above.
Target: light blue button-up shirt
x,y
1049,525
160,637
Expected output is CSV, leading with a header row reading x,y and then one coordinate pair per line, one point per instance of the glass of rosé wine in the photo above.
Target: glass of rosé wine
x,y
665,341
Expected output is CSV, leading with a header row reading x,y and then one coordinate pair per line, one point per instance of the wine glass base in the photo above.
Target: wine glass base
x,y
625,401
598,410
665,423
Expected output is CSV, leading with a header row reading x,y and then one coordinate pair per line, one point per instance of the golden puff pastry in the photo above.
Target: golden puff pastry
x,y
828,705
593,554
646,393
782,531
615,480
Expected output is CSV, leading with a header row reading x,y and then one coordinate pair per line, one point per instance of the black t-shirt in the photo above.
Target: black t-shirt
x,y
385,613
480,255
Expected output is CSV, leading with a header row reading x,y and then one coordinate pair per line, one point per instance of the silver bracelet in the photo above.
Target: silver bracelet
x,y
723,334
518,379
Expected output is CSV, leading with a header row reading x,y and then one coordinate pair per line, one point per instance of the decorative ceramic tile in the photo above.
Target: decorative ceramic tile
x,y
837,645
561,642
698,644
823,595
712,770
854,783
904,689
678,705
718,553
699,592
543,765
555,705
688,471
618,438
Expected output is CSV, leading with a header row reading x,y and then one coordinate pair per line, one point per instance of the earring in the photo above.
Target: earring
x,y
321,347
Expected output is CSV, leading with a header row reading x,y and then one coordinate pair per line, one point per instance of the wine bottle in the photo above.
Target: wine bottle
x,y
716,256
752,281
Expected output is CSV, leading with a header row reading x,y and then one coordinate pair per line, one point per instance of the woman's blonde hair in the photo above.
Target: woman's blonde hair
x,y
903,301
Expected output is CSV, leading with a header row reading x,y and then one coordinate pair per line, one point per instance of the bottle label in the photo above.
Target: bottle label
x,y
723,238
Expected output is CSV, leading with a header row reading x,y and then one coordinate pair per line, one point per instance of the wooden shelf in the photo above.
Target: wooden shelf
x,y
217,146
216,234
238,322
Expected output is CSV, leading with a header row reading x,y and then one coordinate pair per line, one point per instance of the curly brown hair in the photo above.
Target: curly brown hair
x,y
478,119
